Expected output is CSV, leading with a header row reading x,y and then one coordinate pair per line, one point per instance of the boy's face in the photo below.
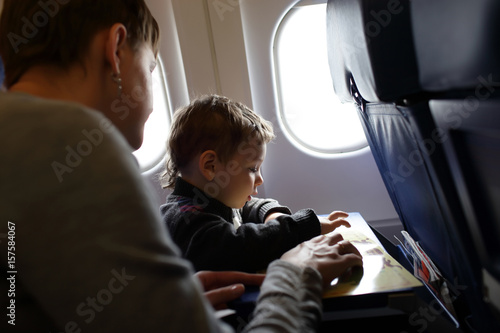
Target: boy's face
x,y
239,178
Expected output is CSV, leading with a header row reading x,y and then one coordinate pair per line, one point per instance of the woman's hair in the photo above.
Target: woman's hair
x,y
211,123
59,32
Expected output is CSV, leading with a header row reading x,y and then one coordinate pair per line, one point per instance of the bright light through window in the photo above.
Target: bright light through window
x,y
157,127
311,113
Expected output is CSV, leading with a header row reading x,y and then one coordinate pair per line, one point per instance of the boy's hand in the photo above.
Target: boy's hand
x,y
333,221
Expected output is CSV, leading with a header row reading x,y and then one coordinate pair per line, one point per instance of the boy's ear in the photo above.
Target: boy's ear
x,y
208,164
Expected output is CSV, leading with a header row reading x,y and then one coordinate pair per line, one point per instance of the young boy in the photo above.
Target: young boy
x,y
215,152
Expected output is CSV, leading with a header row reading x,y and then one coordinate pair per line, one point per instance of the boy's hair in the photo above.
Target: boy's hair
x,y
59,32
211,123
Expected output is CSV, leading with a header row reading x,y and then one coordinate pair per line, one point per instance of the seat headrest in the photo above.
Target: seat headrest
x,y
457,42
371,40
396,48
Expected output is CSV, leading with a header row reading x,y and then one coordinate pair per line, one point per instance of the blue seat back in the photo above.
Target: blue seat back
x,y
393,58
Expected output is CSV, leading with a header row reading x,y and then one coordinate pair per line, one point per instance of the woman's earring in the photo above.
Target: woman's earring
x,y
118,80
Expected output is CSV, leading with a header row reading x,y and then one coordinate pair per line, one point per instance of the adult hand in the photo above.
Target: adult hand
x,y
330,254
333,221
222,287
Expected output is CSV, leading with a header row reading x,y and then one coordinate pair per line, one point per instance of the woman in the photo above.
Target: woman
x,y
89,251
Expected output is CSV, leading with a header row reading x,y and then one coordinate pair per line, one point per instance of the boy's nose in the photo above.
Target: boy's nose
x,y
259,180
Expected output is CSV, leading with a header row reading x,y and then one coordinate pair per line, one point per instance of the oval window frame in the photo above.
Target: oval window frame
x,y
353,146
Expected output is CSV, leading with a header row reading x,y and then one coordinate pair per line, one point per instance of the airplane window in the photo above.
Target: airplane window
x,y
153,147
311,114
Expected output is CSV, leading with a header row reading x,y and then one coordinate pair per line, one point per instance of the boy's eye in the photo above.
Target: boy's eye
x,y
253,169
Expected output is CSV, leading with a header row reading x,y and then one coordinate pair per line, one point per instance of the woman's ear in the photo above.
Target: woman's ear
x,y
117,40
208,164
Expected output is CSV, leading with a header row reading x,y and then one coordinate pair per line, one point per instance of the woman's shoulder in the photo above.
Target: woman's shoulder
x,y
64,134
30,119
32,109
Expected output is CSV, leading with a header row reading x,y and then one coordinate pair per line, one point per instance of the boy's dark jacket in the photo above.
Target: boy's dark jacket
x,y
203,229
